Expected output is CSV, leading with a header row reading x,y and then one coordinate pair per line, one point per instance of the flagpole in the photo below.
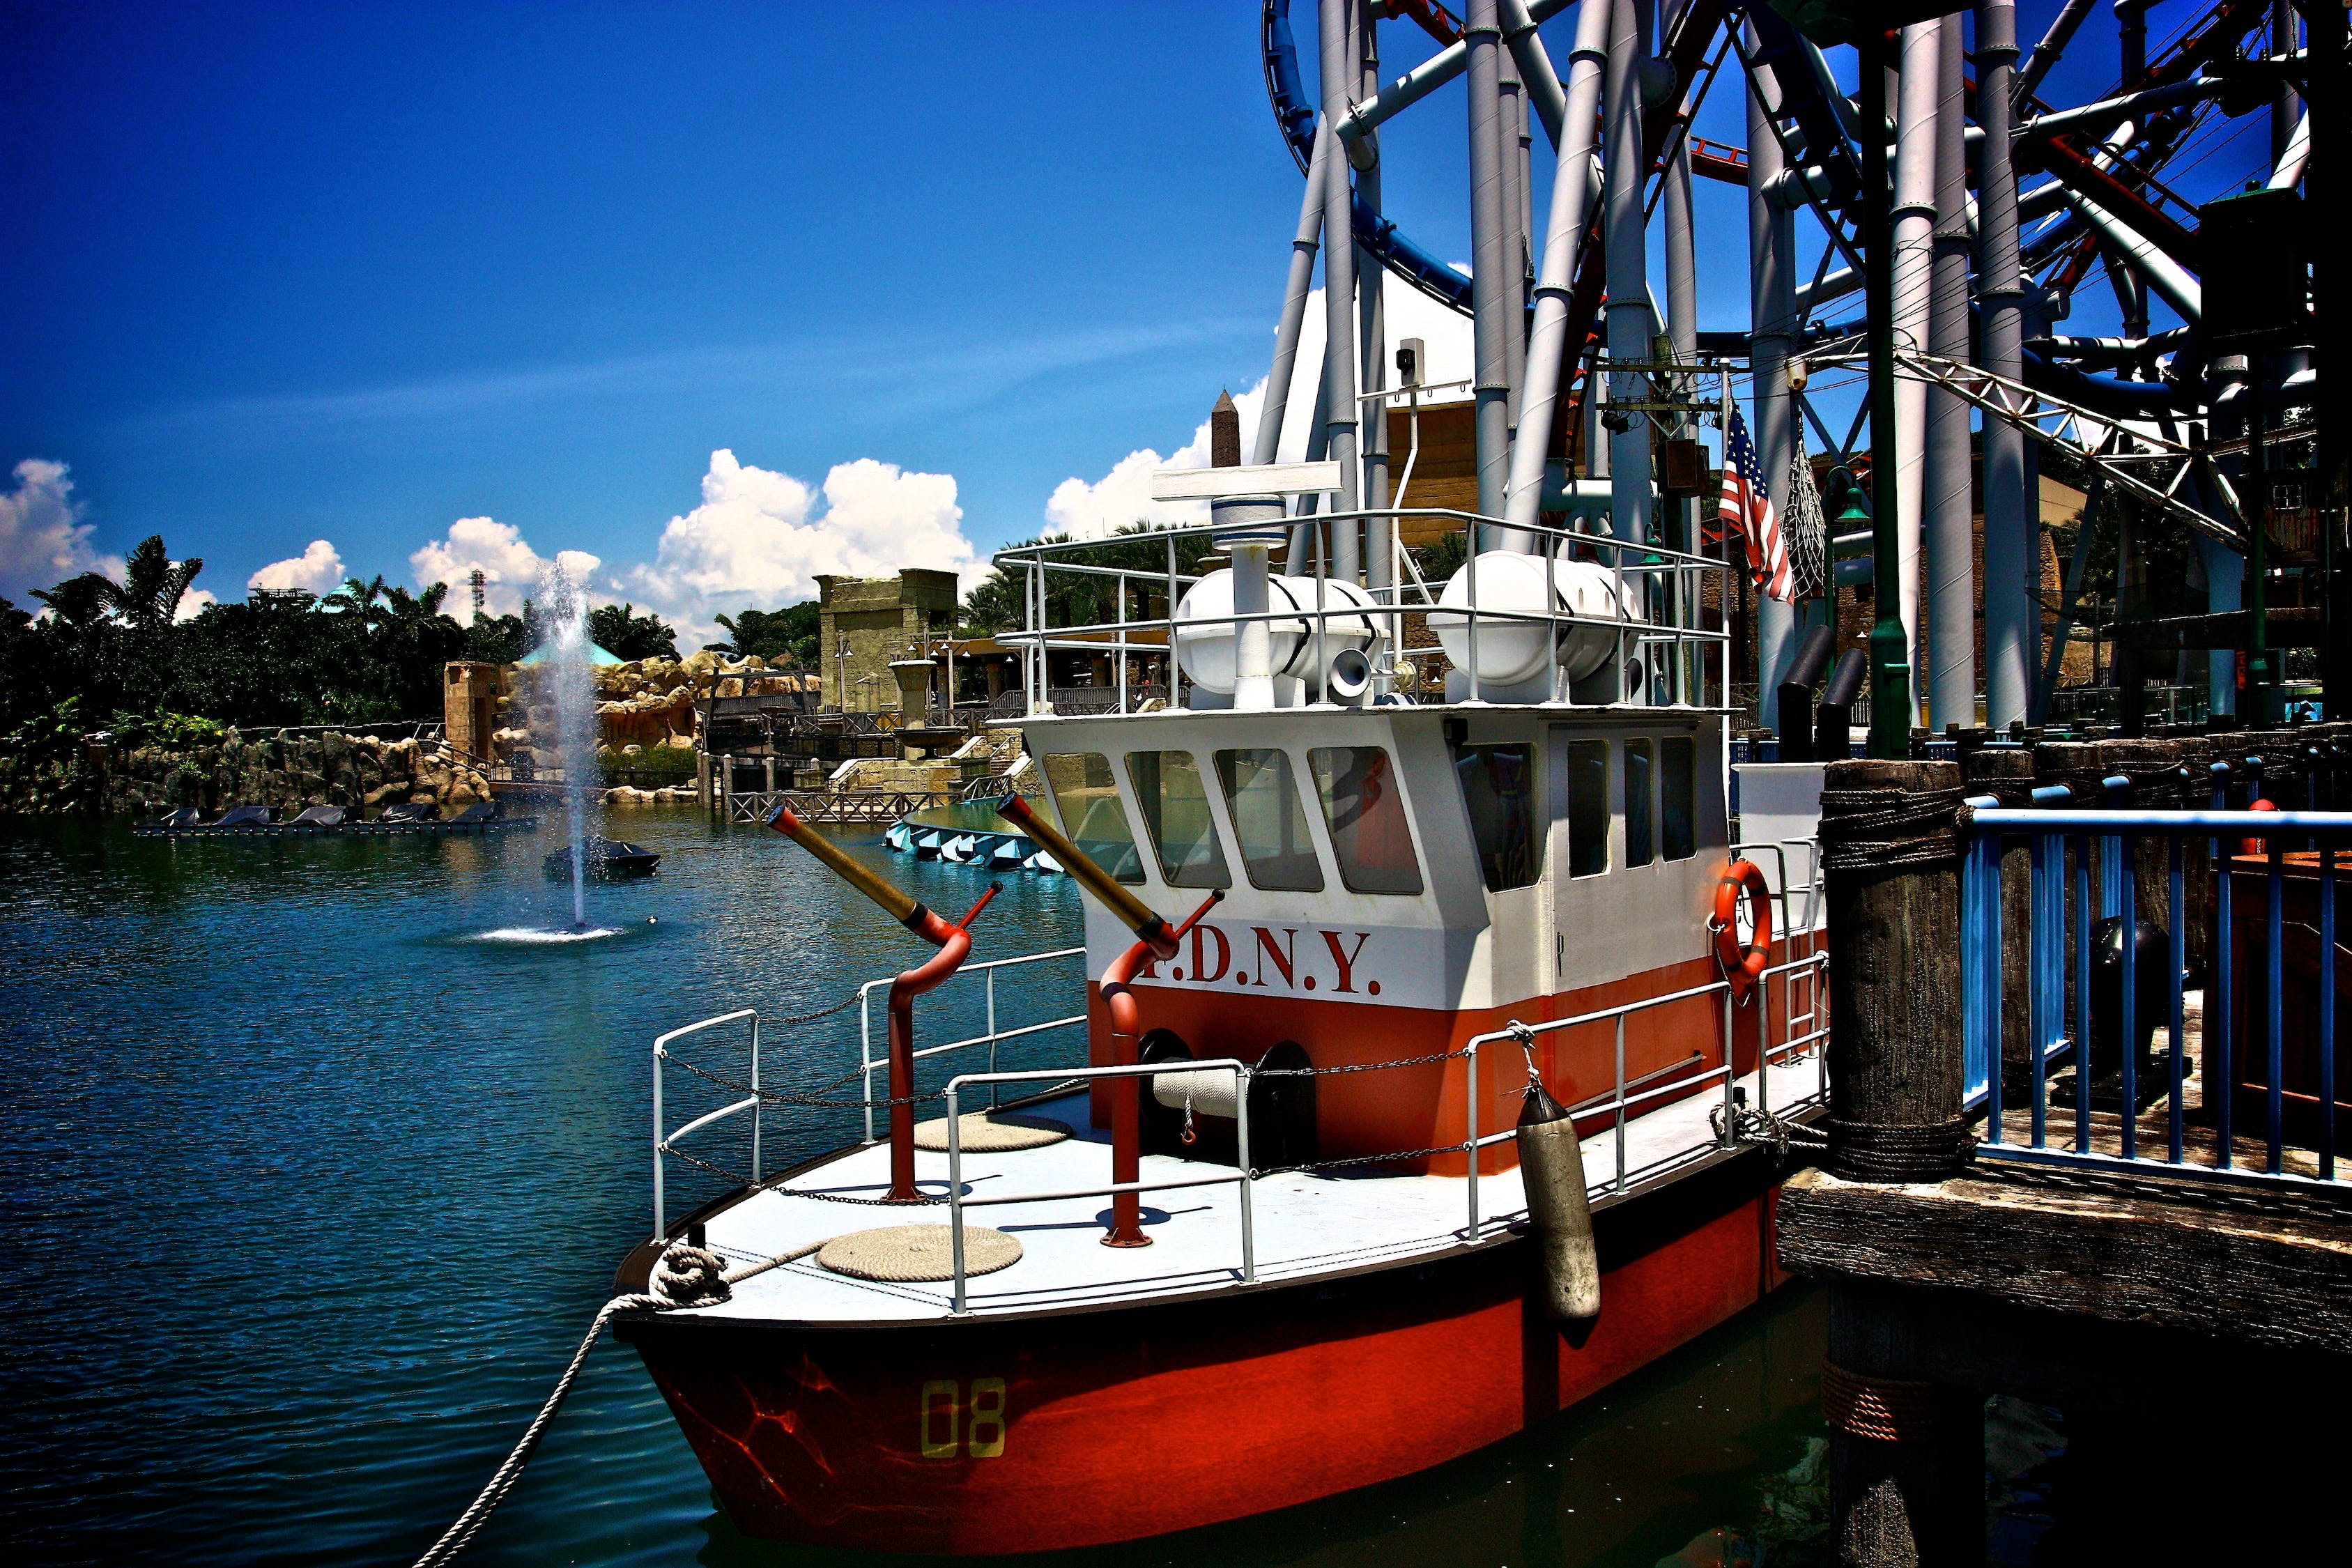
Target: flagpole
x,y
1723,538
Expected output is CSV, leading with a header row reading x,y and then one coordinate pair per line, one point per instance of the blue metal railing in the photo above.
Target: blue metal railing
x,y
2065,843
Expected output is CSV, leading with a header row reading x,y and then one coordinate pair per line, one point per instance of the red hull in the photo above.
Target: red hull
x,y
1077,1429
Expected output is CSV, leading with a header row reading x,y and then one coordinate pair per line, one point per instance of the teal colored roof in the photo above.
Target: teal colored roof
x,y
595,655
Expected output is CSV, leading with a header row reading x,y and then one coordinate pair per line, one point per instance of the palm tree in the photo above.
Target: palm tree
x,y
148,596
153,585
79,602
355,597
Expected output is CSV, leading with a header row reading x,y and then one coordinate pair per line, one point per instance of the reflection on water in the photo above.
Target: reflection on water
x,y
311,1190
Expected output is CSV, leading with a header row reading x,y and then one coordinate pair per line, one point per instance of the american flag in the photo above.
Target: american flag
x,y
1746,509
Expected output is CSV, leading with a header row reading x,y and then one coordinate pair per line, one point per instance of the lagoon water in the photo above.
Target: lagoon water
x,y
318,1156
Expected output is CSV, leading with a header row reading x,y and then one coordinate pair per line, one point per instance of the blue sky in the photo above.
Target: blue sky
x,y
291,273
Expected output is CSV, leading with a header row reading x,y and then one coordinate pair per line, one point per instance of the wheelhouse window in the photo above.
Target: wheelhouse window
x,y
1640,844
1175,806
1366,813
1588,807
1270,820
1678,796
1086,797
1498,789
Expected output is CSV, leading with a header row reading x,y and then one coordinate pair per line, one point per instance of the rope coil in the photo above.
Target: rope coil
x,y
1880,829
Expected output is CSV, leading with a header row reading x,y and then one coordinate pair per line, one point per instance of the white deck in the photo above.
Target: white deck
x,y
1304,1224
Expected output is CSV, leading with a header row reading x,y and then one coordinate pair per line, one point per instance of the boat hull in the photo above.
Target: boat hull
x,y
1002,1435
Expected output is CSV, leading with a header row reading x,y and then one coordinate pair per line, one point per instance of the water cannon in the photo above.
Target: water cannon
x,y
1131,911
954,942
1155,941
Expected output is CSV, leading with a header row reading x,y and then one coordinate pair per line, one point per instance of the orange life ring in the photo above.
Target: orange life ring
x,y
1743,965
2256,845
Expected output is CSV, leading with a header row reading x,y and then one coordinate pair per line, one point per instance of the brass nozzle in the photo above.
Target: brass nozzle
x,y
901,907
1132,911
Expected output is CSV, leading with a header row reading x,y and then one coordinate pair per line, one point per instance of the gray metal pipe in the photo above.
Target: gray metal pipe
x,y
1448,63
2039,202
1513,124
2286,109
2170,280
1379,532
1681,306
2289,172
1951,583
2109,113
2047,52
1772,325
1631,324
2012,563
1546,96
1336,36
1919,98
1489,256
1301,284
1572,189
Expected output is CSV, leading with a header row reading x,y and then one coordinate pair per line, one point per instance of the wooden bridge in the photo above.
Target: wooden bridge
x,y
877,808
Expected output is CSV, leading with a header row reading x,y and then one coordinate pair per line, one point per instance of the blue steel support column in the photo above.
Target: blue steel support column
x,y
2177,907
2128,1058
2326,1015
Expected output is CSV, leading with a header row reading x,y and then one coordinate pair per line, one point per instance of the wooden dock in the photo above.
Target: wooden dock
x,y
2181,1300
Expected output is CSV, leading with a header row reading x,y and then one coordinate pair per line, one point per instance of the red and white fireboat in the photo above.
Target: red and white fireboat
x,y
1270,1238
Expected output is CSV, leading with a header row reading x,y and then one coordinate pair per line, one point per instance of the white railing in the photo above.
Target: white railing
x,y
868,1064
663,1142
1669,585
1621,1102
1240,1177
1800,1033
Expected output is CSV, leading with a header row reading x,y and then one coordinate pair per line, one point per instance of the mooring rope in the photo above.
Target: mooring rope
x,y
684,1277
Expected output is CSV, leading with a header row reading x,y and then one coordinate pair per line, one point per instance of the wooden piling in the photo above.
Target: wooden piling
x,y
1890,858
1906,1451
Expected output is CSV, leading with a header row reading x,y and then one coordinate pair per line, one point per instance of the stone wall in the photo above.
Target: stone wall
x,y
283,769
645,702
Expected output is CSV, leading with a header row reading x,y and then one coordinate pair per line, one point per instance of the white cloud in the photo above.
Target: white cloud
x,y
193,603
1091,510
511,569
318,570
758,538
43,540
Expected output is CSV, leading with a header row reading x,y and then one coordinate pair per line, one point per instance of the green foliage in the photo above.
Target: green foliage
x,y
504,639
171,731
787,637
1442,557
369,651
48,735
620,631
673,761
1071,599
